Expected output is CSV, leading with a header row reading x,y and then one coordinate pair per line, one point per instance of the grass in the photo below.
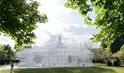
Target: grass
x,y
94,69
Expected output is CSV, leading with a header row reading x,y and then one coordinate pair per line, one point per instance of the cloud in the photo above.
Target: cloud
x,y
61,20
55,11
77,31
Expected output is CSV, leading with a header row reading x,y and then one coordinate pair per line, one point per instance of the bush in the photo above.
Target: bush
x,y
6,52
100,55
5,62
109,63
98,61
117,63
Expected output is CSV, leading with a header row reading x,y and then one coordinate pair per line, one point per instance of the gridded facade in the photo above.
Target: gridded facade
x,y
58,52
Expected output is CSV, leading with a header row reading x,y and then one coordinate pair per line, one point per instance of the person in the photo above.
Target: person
x,y
12,66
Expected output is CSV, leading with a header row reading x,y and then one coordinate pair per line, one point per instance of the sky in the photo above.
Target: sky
x,y
61,20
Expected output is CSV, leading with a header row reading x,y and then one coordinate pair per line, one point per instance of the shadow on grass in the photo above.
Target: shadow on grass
x,y
65,70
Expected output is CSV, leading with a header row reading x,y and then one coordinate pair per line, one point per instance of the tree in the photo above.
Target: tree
x,y
18,19
6,53
101,55
109,19
10,53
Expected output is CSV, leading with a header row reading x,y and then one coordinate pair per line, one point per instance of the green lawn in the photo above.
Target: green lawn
x,y
94,69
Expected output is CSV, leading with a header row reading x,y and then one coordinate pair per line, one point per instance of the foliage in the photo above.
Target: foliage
x,y
109,19
18,19
6,53
116,45
120,54
109,63
101,54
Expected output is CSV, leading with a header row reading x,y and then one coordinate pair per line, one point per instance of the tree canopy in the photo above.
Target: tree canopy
x,y
6,53
18,19
109,19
